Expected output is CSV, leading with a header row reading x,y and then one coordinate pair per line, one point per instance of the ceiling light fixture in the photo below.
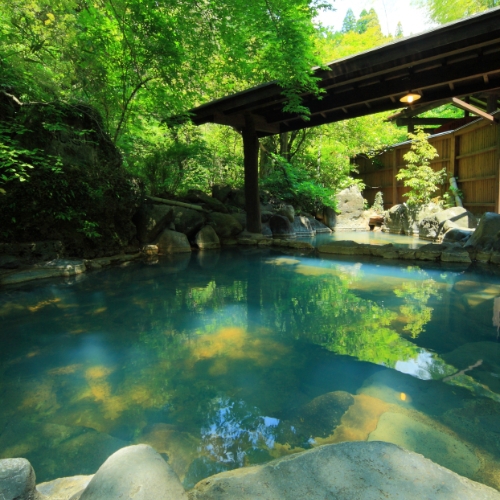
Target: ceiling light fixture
x,y
410,98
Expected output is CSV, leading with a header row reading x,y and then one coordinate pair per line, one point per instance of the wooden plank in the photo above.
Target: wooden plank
x,y
478,152
473,109
480,204
471,179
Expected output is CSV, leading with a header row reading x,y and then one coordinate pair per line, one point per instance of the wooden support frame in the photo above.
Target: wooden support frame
x,y
469,107
251,165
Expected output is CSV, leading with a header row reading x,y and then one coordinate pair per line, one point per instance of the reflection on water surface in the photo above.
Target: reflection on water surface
x,y
233,359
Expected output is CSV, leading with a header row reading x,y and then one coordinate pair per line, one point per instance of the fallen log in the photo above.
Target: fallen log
x,y
176,203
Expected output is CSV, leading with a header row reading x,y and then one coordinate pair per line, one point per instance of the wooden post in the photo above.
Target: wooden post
x,y
394,180
497,158
251,165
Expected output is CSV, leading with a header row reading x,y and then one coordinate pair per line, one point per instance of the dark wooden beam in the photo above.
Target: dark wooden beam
x,y
472,109
403,122
424,81
251,165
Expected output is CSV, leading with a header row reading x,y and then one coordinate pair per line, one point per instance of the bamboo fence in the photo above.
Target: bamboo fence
x,y
471,154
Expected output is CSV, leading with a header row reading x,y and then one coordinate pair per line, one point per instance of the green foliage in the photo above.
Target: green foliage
x,y
349,23
399,31
444,11
418,175
415,310
293,185
378,203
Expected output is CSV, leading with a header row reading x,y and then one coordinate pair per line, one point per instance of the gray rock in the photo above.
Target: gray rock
x,y
241,217
236,197
207,238
220,192
486,235
430,252
400,219
172,242
197,196
433,227
266,230
188,221
281,227
345,247
318,226
225,225
17,480
345,471
302,226
265,215
9,262
388,251
434,444
135,472
51,269
350,207
151,219
456,255
65,488
287,211
150,250
395,220
328,217
457,235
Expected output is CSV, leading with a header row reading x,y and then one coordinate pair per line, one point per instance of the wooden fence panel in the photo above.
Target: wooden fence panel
x,y
471,154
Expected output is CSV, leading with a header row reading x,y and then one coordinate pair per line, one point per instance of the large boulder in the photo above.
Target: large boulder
x,y
434,227
207,238
281,227
17,480
221,192
198,196
318,226
188,221
401,219
151,219
486,236
302,226
64,488
351,470
328,216
86,200
457,235
350,207
135,472
225,225
287,211
172,242
236,197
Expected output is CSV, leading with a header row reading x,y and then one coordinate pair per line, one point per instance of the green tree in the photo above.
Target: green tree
x,y
399,30
444,11
421,179
349,23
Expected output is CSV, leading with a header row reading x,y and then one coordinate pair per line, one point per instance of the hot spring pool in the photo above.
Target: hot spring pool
x,y
227,359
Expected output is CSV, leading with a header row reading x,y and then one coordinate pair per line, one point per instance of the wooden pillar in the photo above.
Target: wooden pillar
x,y
394,180
497,159
251,165
491,105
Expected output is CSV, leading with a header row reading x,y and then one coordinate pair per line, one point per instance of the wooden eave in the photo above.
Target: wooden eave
x,y
455,60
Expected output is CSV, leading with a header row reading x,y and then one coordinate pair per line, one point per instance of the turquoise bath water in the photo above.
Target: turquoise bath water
x,y
228,359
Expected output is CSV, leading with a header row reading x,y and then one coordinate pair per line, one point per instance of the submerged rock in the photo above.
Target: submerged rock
x,y
135,472
65,488
17,480
352,470
51,269
435,445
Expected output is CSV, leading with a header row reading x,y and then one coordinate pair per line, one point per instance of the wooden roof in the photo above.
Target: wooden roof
x,y
458,59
